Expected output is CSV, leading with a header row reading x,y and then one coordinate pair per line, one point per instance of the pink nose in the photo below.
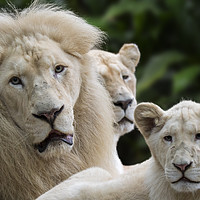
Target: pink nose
x,y
182,167
49,116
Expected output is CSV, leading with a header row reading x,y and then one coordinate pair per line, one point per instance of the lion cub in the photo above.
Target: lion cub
x,y
173,171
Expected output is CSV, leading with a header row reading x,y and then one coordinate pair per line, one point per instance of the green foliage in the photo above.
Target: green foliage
x,y
184,79
156,68
167,34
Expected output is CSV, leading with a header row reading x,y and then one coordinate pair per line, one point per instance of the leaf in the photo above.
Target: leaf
x,y
156,68
184,78
130,6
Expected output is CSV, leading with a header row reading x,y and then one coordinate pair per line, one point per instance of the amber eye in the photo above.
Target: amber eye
x,y
197,136
59,68
125,77
15,80
168,138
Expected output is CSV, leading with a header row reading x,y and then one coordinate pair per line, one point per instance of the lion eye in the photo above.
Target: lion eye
x,y
168,138
197,136
59,68
15,80
125,77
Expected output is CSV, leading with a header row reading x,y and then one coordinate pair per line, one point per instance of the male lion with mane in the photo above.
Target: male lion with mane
x,y
172,173
55,116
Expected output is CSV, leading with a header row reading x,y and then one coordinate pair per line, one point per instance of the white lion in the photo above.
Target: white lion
x,y
55,116
118,73
173,171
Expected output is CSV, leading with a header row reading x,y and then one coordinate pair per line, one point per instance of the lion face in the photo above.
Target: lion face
x,y
39,91
117,71
173,137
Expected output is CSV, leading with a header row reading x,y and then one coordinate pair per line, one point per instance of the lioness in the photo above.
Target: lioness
x,y
118,73
173,171
55,116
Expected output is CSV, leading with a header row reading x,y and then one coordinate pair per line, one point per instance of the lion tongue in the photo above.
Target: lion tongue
x,y
68,139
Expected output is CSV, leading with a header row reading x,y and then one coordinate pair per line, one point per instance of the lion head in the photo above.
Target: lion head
x,y
39,91
173,137
117,71
55,115
40,79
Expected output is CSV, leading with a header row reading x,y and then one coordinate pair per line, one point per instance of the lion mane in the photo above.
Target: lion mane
x,y
24,173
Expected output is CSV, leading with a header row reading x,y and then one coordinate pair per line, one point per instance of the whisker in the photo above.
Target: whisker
x,y
22,139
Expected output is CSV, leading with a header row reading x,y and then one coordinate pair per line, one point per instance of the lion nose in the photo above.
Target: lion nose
x,y
49,116
124,104
182,167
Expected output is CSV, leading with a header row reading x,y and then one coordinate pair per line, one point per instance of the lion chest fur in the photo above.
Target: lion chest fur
x,y
31,86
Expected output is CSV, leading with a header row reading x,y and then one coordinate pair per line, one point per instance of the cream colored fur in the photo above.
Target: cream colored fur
x,y
172,173
118,73
45,68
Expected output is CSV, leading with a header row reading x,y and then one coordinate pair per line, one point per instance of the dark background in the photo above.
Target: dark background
x,y
167,33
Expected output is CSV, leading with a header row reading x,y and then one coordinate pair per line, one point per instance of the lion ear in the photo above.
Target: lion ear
x,y
147,117
130,55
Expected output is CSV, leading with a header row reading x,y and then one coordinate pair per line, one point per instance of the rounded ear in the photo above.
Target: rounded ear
x,y
147,117
130,55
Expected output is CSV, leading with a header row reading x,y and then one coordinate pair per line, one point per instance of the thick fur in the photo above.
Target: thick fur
x,y
118,73
32,44
174,140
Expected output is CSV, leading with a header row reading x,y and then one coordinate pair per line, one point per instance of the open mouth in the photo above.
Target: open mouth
x,y
54,135
184,179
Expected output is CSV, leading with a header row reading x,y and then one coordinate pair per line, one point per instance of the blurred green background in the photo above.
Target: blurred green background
x,y
167,33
